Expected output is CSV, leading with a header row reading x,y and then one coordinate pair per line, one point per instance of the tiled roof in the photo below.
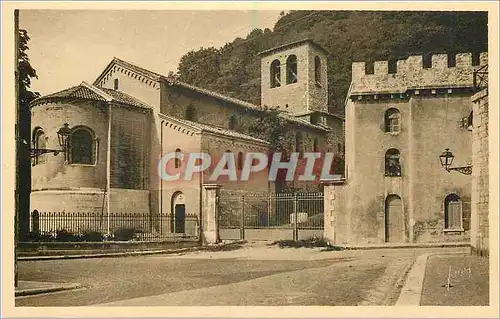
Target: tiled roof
x,y
123,98
86,91
77,92
215,129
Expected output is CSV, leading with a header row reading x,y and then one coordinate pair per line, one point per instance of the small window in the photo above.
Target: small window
x,y
392,163
178,161
299,144
369,67
316,145
275,74
115,84
227,153
291,69
82,147
317,69
470,121
451,60
392,120
452,212
476,59
233,122
392,66
39,142
190,113
240,161
427,61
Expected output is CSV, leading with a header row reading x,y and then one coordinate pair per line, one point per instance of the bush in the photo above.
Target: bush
x,y
311,242
92,235
66,236
37,237
124,234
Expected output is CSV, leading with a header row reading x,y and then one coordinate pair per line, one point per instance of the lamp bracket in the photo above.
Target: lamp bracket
x,y
466,169
35,152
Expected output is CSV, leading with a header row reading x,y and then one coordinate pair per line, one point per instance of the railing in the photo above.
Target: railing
x,y
82,226
481,77
265,211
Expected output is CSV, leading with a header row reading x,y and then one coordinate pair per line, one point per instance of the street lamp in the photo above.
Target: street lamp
x,y
446,159
62,136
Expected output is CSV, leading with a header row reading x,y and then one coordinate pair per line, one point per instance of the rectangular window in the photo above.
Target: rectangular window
x,y
427,61
392,66
451,60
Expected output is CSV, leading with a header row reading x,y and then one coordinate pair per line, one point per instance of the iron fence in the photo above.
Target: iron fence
x,y
272,211
118,226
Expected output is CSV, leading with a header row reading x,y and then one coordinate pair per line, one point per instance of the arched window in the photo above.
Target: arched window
x,y
40,142
291,69
190,113
115,85
178,161
233,122
392,120
82,146
316,145
452,212
317,69
392,163
275,74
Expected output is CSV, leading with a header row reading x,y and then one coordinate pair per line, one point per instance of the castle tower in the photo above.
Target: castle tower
x,y
294,77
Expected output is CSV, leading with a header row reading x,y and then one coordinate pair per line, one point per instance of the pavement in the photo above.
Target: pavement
x,y
257,275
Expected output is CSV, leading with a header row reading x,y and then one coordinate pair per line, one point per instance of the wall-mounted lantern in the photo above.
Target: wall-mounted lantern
x,y
446,159
62,136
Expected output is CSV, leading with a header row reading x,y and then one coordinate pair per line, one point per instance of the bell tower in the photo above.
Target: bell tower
x,y
294,77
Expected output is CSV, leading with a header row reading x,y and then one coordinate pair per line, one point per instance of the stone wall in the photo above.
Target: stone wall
x,y
411,74
133,84
130,140
54,173
480,174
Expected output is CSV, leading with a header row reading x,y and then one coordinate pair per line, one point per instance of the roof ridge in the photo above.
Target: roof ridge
x,y
210,128
96,90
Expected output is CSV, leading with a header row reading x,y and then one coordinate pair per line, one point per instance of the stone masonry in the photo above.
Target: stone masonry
x,y
480,174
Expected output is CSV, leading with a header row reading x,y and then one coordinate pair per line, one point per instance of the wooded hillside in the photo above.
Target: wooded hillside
x,y
234,69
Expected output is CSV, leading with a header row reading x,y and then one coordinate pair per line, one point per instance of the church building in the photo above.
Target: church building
x,y
129,117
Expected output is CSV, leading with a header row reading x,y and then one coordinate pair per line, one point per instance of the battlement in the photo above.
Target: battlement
x,y
413,73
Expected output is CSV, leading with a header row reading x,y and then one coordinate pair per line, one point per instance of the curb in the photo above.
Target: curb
x,y
412,289
37,291
131,253
407,245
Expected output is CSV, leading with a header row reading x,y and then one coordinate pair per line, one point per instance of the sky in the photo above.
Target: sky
x,y
71,46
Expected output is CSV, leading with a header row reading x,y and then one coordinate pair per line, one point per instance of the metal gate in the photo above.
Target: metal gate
x,y
271,217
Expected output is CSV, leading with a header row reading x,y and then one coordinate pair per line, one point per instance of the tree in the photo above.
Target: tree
x,y
26,71
347,35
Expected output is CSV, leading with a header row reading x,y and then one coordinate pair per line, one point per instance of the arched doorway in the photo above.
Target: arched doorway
x,y
394,220
179,213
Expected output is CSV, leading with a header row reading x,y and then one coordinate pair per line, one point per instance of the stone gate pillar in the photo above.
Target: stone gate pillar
x,y
336,218
209,214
